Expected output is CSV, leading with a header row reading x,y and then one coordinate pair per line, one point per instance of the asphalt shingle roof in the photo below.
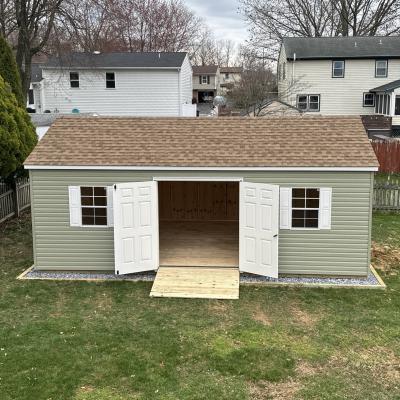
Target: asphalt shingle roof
x,y
205,69
389,87
342,47
206,142
118,60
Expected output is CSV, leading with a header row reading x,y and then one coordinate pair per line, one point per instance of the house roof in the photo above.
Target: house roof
x,y
118,60
205,142
388,87
205,69
232,70
342,47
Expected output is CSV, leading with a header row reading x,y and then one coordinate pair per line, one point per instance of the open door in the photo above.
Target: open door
x,y
135,227
258,228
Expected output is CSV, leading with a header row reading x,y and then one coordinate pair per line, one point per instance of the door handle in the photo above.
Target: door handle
x,y
276,235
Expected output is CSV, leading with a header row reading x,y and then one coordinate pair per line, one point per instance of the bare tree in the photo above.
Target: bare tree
x,y
271,20
209,51
255,87
27,26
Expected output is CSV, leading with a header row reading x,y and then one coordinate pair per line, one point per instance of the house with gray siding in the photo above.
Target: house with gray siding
x,y
133,84
341,75
266,196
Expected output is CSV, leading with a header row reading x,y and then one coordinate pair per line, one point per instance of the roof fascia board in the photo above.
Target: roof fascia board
x,y
163,168
290,58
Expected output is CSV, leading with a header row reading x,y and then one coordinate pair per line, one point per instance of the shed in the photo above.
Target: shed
x,y
269,196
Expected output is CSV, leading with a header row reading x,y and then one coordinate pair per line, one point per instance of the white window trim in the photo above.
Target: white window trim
x,y
288,208
373,96
386,69
338,69
74,80
308,102
109,207
204,81
106,80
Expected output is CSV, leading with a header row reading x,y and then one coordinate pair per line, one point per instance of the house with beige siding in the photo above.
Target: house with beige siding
x,y
205,83
341,75
229,77
291,196
134,84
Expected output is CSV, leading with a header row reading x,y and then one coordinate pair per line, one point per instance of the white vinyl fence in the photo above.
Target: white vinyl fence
x,y
13,200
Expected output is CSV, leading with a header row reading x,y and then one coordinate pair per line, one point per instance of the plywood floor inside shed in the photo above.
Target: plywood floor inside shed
x,y
199,243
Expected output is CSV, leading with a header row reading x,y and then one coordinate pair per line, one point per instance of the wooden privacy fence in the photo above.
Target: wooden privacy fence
x,y
387,194
14,199
388,154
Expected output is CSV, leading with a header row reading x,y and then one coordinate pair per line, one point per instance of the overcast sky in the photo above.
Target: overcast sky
x,y
222,17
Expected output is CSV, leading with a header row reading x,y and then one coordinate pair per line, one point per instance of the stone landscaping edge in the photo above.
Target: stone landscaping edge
x,y
373,281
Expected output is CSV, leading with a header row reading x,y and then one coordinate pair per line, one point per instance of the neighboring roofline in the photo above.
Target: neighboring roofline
x,y
164,168
109,68
339,57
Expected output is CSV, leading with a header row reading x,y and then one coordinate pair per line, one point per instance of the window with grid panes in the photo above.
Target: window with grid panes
x,y
94,205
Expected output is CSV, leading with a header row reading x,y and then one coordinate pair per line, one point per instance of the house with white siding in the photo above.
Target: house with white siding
x,y
341,75
132,84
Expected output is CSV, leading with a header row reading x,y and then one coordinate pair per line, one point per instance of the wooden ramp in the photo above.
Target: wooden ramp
x,y
196,282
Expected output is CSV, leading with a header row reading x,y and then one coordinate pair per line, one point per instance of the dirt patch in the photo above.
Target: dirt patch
x,y
218,306
86,389
302,317
305,369
382,363
104,301
260,316
385,258
264,390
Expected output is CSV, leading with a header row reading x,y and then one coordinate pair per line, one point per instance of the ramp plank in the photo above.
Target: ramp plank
x,y
196,282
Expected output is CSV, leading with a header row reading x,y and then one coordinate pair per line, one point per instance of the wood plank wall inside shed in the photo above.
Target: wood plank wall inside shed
x,y
198,201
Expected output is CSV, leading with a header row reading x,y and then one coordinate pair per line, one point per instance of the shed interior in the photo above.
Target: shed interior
x,y
199,223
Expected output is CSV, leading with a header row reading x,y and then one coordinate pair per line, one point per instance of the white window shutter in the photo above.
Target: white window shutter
x,y
285,214
110,206
325,207
75,216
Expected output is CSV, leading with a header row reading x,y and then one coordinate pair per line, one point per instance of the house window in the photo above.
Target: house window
x,y
110,80
74,79
381,68
94,205
369,100
305,208
226,75
338,69
205,79
31,97
308,102
283,71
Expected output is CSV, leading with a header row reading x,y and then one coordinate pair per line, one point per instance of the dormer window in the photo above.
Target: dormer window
x,y
381,68
338,69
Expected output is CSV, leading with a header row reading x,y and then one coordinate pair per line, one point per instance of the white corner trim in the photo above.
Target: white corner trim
x,y
163,168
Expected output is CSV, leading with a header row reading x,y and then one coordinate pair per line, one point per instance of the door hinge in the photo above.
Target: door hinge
x,y
117,272
115,187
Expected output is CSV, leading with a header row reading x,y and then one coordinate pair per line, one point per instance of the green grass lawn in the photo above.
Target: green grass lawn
x,y
97,341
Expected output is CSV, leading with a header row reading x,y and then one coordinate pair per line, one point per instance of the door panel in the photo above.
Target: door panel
x,y
259,224
135,227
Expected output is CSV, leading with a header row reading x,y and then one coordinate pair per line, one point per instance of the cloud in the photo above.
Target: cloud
x,y
222,17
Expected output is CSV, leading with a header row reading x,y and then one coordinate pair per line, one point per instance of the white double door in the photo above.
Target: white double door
x,y
136,234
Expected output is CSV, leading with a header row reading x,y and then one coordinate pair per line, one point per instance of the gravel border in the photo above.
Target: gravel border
x,y
370,281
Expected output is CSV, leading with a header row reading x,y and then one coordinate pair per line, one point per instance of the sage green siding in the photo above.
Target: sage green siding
x,y
343,250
